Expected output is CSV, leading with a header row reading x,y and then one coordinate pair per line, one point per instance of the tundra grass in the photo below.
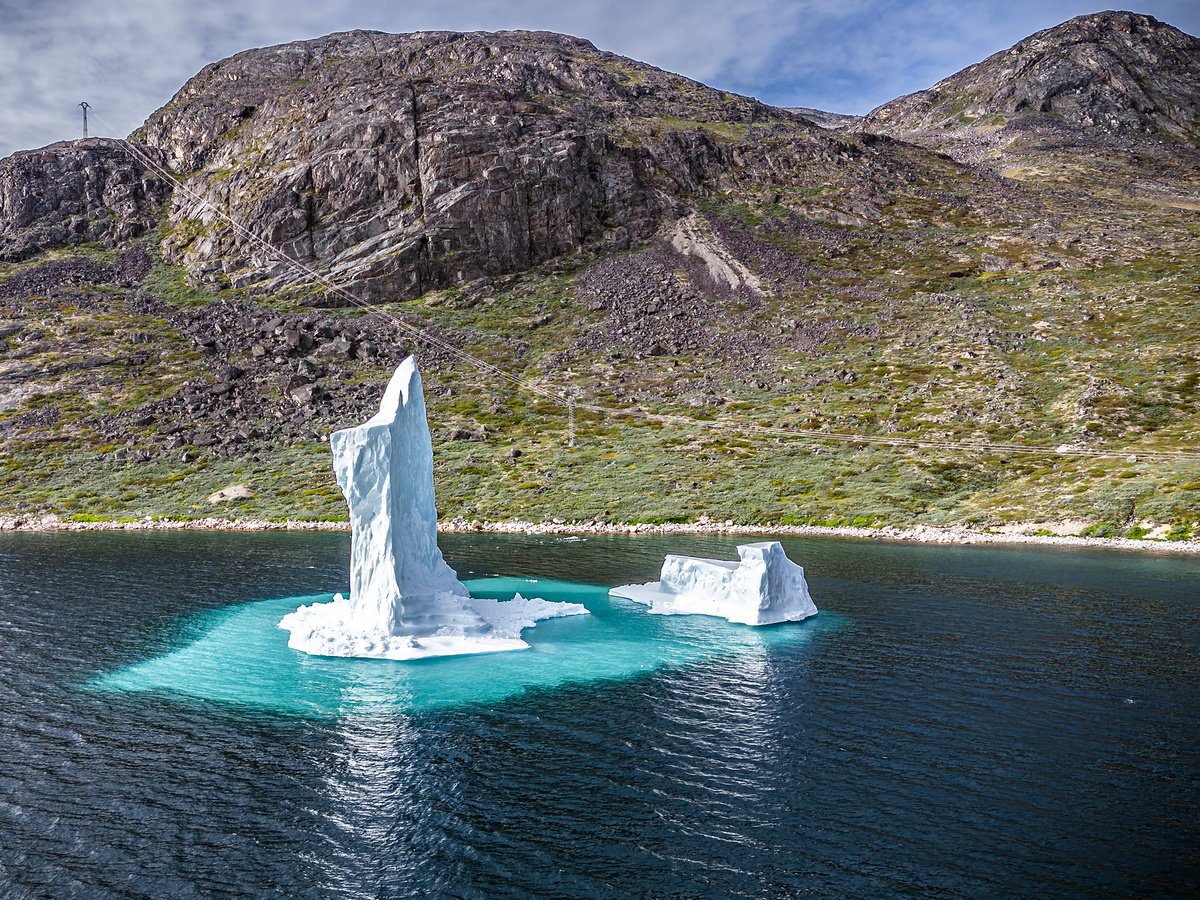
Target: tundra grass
x,y
965,330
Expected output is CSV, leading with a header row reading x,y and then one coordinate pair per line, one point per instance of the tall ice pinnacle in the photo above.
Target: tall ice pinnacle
x,y
385,469
405,601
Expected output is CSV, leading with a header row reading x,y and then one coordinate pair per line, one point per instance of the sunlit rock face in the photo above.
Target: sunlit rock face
x,y
402,163
76,192
405,601
762,588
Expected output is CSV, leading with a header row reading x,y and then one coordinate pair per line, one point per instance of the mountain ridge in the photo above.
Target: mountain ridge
x,y
732,273
1117,72
483,126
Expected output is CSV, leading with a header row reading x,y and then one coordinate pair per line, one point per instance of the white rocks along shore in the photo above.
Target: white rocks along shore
x,y
1016,533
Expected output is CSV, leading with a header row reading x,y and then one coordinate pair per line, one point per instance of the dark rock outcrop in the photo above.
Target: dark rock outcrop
x,y
74,192
130,268
402,163
653,311
42,279
1118,73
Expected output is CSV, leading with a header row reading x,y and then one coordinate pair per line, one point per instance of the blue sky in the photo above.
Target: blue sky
x,y
127,58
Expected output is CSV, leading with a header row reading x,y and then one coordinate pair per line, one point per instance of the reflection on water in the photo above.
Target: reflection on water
x,y
372,786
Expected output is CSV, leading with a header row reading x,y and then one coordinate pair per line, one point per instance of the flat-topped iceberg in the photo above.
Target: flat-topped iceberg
x,y
405,602
761,588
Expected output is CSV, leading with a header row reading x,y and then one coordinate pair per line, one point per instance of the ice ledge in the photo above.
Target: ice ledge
x,y
331,629
762,588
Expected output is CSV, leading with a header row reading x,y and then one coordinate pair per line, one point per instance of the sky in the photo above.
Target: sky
x,y
128,57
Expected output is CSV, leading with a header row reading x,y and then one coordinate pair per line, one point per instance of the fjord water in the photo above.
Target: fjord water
x,y
956,721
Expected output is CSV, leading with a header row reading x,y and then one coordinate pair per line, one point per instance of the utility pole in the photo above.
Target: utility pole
x,y
571,419
85,106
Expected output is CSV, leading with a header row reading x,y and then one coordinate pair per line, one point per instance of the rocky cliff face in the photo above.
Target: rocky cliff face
x,y
400,163
1114,72
74,192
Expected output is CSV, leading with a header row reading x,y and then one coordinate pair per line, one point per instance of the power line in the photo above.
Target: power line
x,y
808,435
571,418
813,435
332,286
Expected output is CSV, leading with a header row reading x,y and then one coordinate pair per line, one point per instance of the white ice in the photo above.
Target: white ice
x,y
763,587
405,602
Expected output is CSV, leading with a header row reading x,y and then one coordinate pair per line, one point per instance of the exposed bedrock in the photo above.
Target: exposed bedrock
x,y
401,163
75,192
1117,73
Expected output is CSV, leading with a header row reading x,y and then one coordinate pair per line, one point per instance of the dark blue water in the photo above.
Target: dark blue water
x,y
956,722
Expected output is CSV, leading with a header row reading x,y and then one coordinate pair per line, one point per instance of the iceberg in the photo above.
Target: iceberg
x,y
762,587
405,601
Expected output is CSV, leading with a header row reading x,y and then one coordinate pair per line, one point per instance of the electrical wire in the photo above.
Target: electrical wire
x,y
560,396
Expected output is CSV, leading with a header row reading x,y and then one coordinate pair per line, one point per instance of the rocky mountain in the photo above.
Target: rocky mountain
x,y
1116,73
403,163
75,192
711,277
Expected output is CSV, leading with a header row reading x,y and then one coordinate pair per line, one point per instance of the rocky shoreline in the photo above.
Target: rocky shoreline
x,y
924,534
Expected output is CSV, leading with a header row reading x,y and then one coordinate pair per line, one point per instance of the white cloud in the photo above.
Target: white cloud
x,y
128,58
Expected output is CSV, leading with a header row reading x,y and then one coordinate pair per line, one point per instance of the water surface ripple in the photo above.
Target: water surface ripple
x,y
981,721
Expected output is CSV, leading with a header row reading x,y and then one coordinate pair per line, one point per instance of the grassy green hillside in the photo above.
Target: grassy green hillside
x,y
933,321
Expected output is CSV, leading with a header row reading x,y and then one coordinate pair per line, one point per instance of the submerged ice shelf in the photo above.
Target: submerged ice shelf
x,y
763,587
236,655
405,602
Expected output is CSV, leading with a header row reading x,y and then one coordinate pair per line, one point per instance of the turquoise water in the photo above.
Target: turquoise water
x,y
242,657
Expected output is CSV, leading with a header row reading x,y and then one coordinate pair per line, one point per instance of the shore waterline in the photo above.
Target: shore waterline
x,y
1028,533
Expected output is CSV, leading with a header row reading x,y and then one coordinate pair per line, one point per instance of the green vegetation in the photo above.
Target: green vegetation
x,y
937,317
729,132
628,470
1180,531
